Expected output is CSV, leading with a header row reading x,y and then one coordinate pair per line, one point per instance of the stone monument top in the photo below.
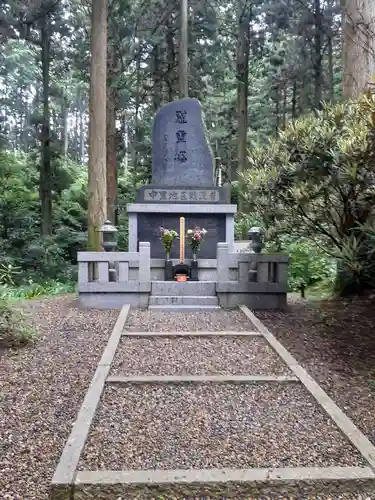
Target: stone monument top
x,y
181,155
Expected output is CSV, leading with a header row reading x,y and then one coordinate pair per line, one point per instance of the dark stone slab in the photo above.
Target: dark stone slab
x,y
190,195
181,155
148,230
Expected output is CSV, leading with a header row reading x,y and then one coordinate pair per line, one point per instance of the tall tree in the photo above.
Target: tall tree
x,y
97,182
242,64
45,167
358,52
184,82
111,135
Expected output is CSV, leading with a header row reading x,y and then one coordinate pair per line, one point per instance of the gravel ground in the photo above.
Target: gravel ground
x,y
42,387
204,426
335,342
197,356
158,321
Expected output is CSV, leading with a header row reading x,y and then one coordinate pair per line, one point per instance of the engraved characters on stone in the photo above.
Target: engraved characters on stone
x,y
181,154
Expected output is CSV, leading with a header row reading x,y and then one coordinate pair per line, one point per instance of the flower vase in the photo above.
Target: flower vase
x,y
194,268
168,267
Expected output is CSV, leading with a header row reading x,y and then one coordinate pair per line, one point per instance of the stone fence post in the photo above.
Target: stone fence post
x,y
144,261
222,262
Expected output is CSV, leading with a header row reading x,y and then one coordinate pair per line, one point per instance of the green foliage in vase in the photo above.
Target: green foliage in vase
x,y
167,237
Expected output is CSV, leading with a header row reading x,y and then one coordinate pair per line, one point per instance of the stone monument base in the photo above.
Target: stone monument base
x,y
145,219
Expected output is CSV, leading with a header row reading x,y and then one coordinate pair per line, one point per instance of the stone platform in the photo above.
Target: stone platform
x,y
138,279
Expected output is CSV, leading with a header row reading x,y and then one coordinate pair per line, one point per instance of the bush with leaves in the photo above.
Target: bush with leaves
x,y
15,328
21,246
317,180
308,266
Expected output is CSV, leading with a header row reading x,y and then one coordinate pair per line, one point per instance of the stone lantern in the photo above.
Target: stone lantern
x,y
108,236
109,243
256,235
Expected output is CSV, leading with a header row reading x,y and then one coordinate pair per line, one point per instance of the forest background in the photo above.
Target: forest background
x,y
286,91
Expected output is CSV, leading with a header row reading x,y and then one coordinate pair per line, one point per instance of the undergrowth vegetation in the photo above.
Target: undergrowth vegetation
x,y
15,327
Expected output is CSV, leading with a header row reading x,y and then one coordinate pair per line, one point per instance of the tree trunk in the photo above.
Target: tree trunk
x,y
45,167
318,51
277,109
285,97
136,135
65,130
171,57
242,56
97,182
111,138
157,91
294,101
81,131
358,29
76,130
331,92
184,85
125,135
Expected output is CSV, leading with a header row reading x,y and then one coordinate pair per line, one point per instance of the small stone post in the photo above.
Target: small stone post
x,y
222,262
144,262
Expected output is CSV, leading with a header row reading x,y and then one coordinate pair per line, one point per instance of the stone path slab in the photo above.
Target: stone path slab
x,y
204,355
213,426
216,321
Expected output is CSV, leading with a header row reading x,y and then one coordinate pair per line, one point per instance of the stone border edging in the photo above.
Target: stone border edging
x,y
192,334
161,476
64,475
198,379
344,423
223,483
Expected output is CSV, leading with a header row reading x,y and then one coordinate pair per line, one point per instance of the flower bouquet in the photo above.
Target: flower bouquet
x,y
167,237
195,237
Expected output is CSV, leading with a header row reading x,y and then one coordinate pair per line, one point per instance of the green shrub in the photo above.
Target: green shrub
x,y
316,181
33,290
15,328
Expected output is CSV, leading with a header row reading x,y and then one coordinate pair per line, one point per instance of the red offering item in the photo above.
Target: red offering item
x,y
181,277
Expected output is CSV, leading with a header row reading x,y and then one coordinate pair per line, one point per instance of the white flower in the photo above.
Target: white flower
x,y
189,231
204,231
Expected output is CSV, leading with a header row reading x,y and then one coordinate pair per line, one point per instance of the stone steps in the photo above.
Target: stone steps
x,y
183,300
187,288
183,308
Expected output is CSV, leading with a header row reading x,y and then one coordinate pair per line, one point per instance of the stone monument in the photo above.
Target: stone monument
x,y
182,185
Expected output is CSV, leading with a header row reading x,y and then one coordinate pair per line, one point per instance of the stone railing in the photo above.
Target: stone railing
x,y
122,277
257,280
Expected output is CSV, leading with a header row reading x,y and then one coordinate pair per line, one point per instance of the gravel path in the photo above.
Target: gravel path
x,y
335,342
217,425
183,426
42,388
197,356
157,321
